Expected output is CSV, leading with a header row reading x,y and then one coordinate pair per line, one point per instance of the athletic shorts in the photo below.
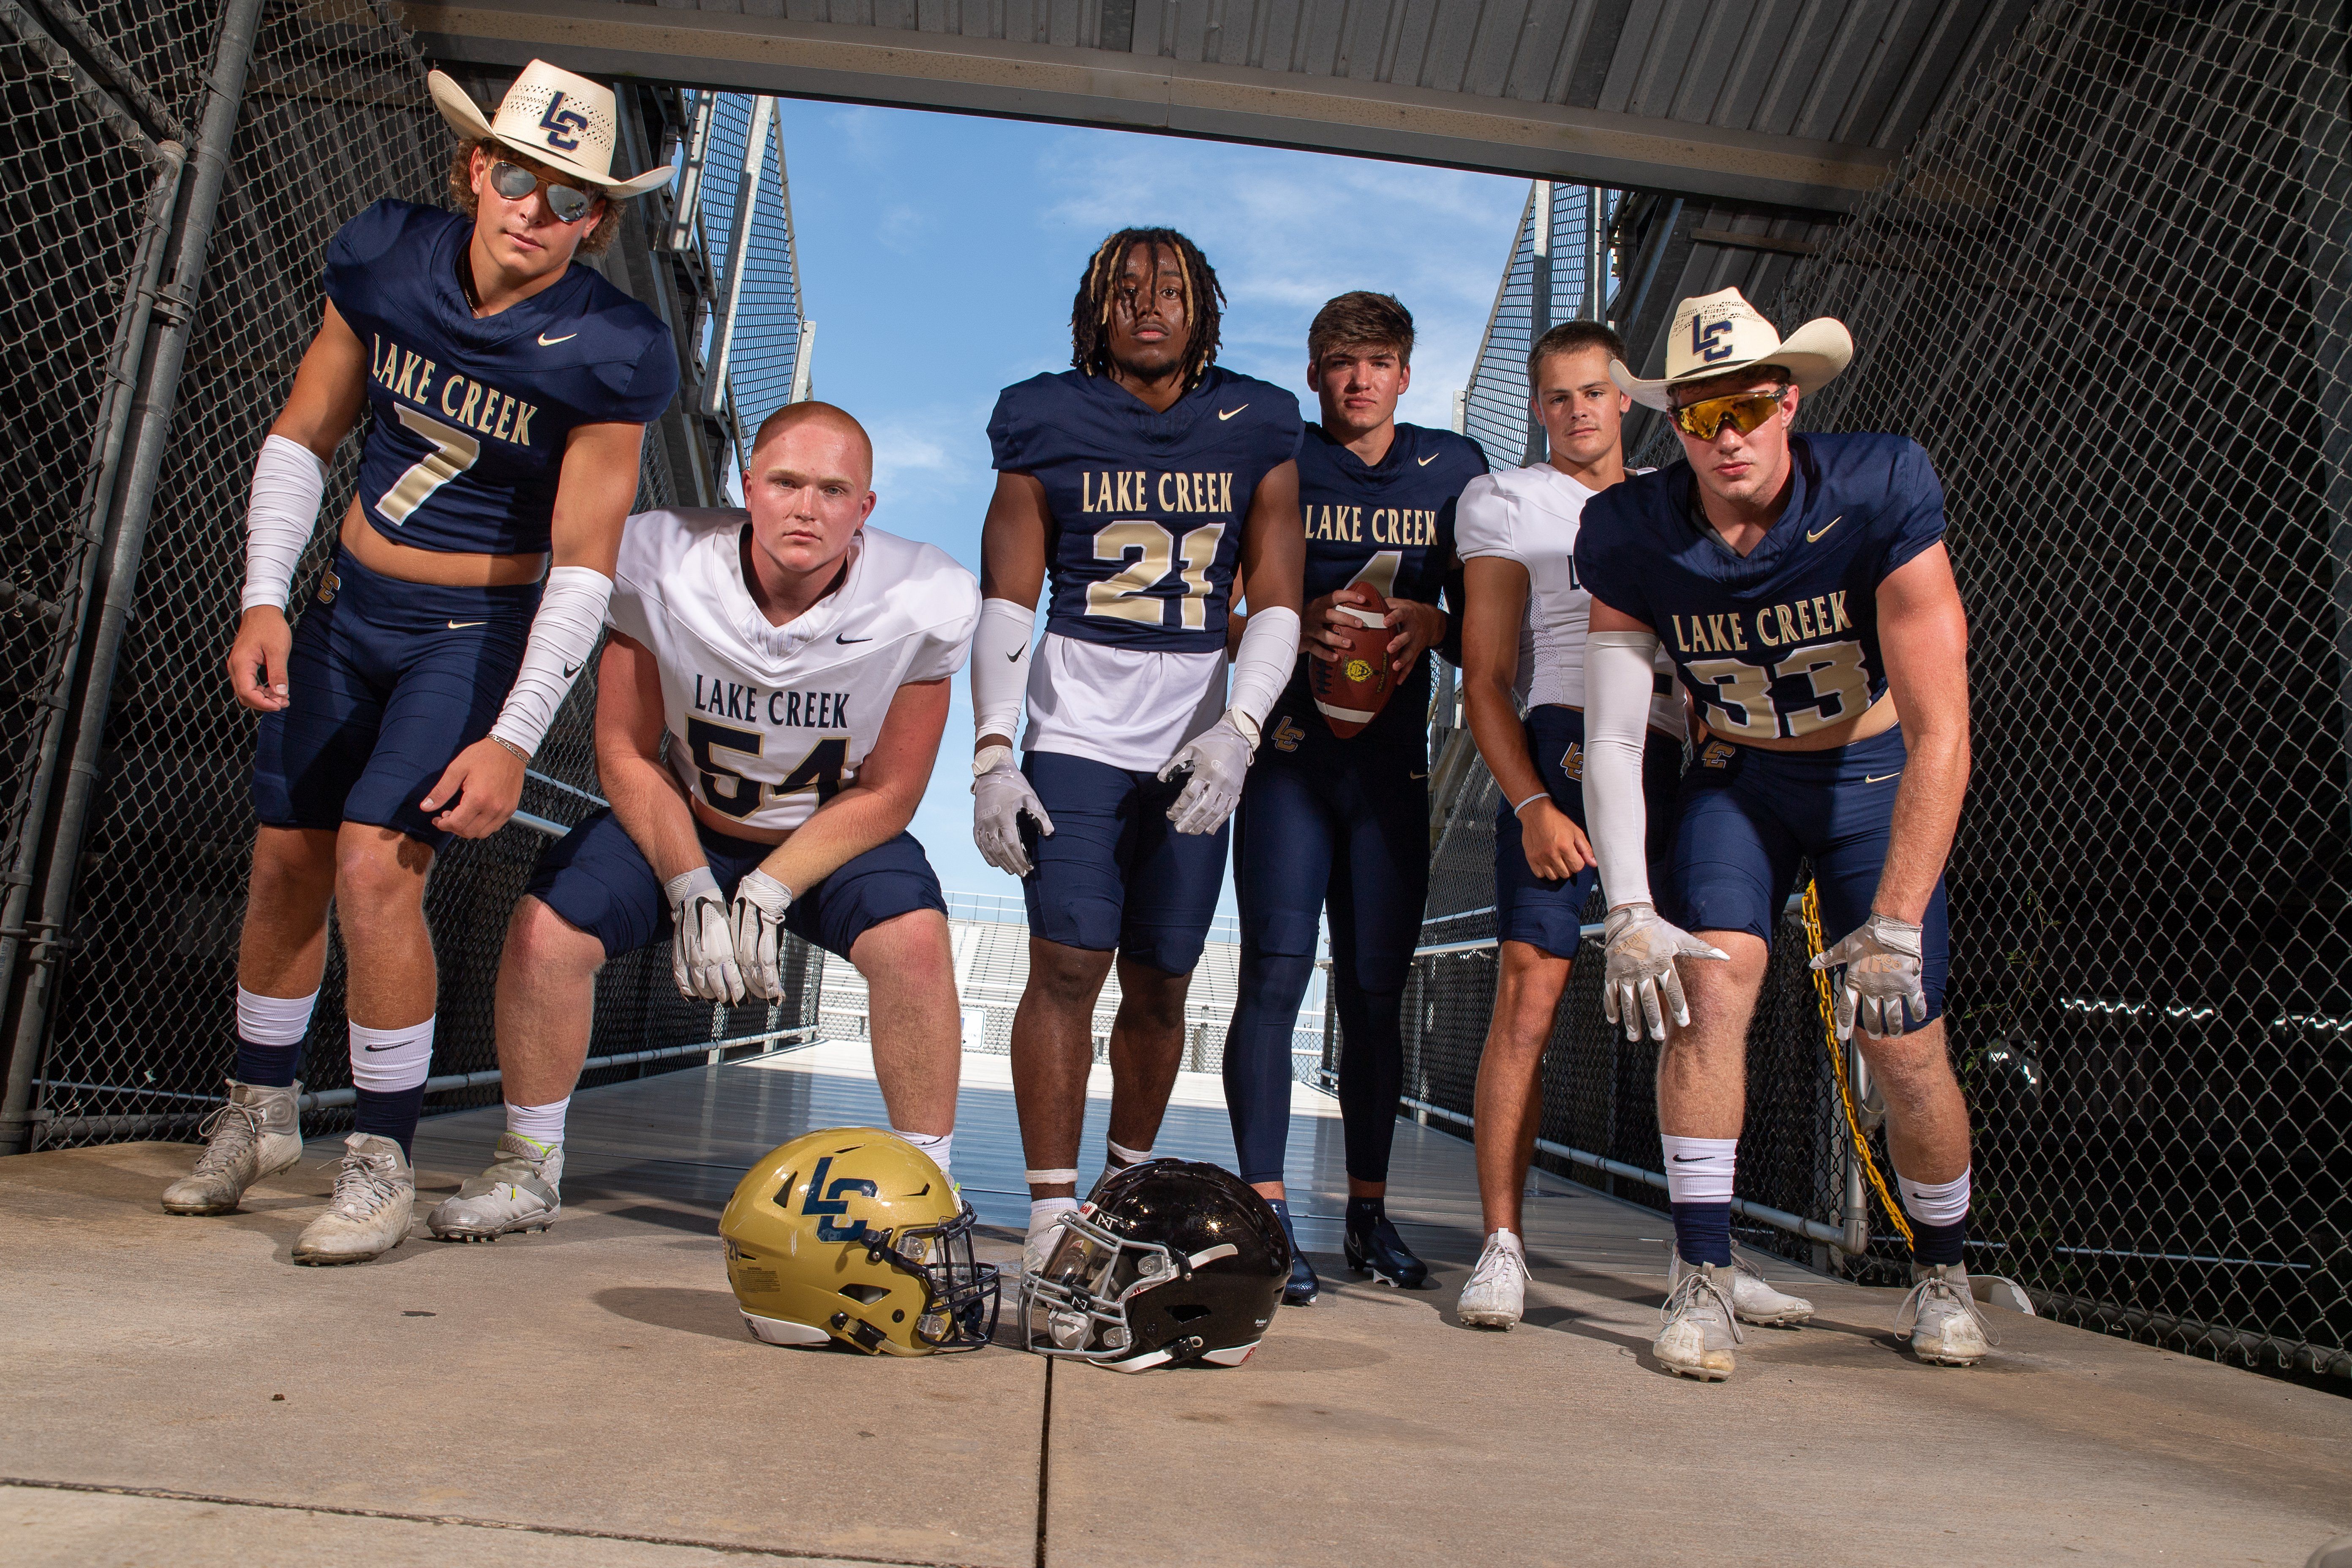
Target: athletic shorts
x,y
387,682
597,877
1116,873
1543,912
1749,817
1342,822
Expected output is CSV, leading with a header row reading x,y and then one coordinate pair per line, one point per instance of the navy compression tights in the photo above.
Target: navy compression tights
x,y
1257,1065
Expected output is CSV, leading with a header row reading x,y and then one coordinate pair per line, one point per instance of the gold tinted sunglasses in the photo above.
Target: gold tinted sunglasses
x,y
1743,411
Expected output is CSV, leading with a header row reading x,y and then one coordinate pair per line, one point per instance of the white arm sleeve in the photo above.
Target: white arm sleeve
x,y
289,483
1262,665
1617,686
562,634
1000,668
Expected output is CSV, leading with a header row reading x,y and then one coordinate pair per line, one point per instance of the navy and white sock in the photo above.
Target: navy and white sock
x,y
389,1067
1698,1186
269,1033
1939,1218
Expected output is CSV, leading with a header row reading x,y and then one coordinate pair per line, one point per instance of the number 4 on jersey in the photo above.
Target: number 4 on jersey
x,y
730,792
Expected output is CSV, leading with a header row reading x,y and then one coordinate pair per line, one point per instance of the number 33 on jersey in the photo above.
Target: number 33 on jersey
x,y
766,722
1147,508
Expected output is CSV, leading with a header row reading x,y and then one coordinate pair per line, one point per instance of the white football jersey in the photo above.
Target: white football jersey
x,y
767,722
1530,515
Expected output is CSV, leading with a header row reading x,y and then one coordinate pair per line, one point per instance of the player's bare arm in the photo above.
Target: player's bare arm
x,y
483,784
1497,593
1273,544
878,807
329,386
645,795
1924,635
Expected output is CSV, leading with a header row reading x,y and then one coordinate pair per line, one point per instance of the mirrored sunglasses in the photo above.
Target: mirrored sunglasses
x,y
1744,411
570,204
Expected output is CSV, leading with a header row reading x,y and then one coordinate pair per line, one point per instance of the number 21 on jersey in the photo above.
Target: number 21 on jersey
x,y
1127,595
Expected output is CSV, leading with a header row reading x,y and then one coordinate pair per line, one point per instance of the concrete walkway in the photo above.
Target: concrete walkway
x,y
174,1390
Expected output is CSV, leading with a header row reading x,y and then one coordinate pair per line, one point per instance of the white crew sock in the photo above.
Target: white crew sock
x,y
273,1020
540,1123
1121,1156
386,1061
1043,1212
1699,1170
1936,1203
939,1146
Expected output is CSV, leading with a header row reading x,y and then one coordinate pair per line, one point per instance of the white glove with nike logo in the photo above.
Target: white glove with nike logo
x,y
1883,972
759,919
1641,947
999,796
702,945
1219,758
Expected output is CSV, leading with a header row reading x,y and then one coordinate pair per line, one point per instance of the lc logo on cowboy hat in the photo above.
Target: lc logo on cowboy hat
x,y
553,116
1718,332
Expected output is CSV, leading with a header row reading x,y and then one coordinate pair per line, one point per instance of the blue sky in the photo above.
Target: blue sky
x,y
939,254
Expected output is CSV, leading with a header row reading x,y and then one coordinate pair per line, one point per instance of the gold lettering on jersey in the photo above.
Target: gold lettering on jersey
x,y
1798,621
1132,490
1341,524
1406,527
409,375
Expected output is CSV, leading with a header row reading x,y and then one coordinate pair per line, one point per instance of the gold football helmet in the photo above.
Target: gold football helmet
x,y
854,1235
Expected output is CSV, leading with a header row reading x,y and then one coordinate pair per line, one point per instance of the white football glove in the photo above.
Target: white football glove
x,y
759,919
702,948
1219,758
998,798
1882,965
1641,947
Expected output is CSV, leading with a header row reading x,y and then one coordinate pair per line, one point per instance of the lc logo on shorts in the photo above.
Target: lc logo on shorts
x,y
328,584
1717,754
1286,736
1571,761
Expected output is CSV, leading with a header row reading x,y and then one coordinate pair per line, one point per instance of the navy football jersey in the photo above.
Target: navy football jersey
x,y
1391,525
471,416
1147,508
1783,641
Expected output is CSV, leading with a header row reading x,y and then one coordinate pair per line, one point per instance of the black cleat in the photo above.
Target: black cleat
x,y
1374,1248
1302,1287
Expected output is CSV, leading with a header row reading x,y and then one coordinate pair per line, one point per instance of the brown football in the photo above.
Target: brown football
x,y
1350,693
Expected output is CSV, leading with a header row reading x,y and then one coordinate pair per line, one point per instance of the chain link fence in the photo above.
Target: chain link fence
x,y
154,322
2110,289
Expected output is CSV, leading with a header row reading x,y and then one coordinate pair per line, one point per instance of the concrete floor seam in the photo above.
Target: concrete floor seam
x,y
467,1521
1044,1454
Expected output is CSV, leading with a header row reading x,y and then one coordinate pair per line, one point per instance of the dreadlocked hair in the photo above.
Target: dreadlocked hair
x,y
1098,291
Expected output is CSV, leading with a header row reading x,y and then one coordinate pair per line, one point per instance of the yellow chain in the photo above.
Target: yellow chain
x,y
1822,995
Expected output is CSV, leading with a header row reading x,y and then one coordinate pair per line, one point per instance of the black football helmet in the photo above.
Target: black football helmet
x,y
1170,1260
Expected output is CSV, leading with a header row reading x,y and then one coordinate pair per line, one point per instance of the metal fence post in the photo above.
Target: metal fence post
x,y
150,428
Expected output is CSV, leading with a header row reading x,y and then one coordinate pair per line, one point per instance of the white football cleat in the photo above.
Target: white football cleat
x,y
1045,1234
1755,1300
517,1193
1497,1291
1940,1319
1701,1326
257,1133
375,1197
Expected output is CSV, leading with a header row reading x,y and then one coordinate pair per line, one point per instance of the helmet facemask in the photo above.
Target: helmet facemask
x,y
960,1294
1090,1283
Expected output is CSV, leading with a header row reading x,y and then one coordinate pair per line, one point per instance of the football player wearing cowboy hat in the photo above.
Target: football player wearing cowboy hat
x,y
509,390
1800,584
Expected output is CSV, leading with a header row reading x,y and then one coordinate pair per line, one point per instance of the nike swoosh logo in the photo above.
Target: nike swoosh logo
x,y
547,343
570,670
1416,775
1431,458
373,1048
1811,534
461,626
846,641
1881,778
1014,658
1229,413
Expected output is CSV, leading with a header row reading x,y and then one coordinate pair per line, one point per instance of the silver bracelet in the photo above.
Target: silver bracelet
x,y
1539,794
510,746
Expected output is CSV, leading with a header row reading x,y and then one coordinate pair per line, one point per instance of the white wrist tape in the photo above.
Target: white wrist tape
x,y
1262,663
562,634
686,884
1617,688
1000,668
288,484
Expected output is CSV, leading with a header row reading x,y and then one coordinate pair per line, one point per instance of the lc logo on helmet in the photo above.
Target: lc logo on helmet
x,y
832,1203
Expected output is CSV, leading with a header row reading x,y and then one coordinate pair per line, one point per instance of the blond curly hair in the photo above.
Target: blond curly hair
x,y
601,233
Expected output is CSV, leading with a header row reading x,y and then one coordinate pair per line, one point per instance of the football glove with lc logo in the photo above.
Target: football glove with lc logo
x,y
1882,964
1218,759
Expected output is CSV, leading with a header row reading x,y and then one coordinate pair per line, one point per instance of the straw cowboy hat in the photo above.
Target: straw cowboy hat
x,y
1714,334
558,118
